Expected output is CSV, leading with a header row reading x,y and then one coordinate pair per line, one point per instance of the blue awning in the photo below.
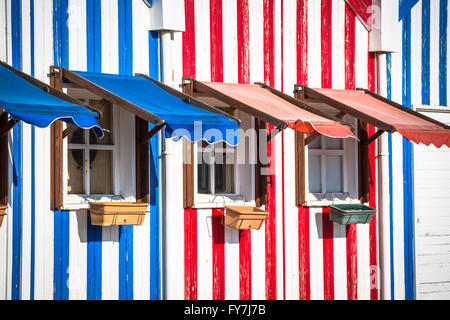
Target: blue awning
x,y
25,101
181,118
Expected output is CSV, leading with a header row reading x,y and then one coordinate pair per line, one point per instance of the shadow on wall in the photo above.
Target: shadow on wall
x,y
340,232
108,234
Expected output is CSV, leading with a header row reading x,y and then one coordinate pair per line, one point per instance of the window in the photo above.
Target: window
x,y
215,168
326,165
90,159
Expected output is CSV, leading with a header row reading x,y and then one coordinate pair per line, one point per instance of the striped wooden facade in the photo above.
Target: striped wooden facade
x,y
189,254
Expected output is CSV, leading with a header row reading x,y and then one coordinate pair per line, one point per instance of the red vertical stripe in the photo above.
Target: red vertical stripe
x,y
328,261
326,30
302,42
303,212
215,15
269,45
270,225
218,245
303,254
190,215
351,242
372,191
327,225
188,39
190,254
245,263
243,41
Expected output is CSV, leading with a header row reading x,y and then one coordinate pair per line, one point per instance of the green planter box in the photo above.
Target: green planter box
x,y
351,213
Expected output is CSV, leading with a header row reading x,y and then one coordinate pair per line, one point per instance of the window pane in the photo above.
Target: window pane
x,y
334,143
75,167
203,167
315,174
224,178
101,173
316,143
334,174
106,123
77,137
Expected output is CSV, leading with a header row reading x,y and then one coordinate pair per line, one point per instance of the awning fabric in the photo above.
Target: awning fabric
x,y
181,118
410,126
298,119
24,101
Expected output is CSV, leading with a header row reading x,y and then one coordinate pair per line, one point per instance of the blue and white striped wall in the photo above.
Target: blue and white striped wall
x,y
416,76
59,255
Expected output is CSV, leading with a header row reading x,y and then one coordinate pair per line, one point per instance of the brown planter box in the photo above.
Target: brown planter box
x,y
244,217
117,213
2,213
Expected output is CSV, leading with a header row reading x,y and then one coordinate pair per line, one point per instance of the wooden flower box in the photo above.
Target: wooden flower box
x,y
117,213
244,217
2,213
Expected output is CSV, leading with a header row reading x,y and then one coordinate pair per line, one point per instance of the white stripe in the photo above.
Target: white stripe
x,y
204,254
314,45
230,55
434,53
416,53
316,253
202,40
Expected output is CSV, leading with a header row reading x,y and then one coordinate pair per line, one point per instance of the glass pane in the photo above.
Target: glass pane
x,y
316,143
315,174
77,136
75,183
224,178
106,123
203,167
334,174
101,173
334,143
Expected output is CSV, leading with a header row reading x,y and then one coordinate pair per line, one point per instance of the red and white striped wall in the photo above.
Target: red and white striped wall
x,y
298,253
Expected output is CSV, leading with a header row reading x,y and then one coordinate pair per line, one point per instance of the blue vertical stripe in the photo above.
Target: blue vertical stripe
x,y
16,35
443,15
33,168
426,52
94,34
155,254
408,178
61,218
126,68
94,233
391,184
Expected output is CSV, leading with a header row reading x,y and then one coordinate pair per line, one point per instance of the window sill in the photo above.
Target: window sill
x,y
220,201
325,200
77,202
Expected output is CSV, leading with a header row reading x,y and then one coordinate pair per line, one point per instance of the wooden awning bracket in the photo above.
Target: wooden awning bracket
x,y
375,136
152,133
11,123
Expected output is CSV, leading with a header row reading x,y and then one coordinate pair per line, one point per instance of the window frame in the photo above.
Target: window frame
x,y
350,186
80,201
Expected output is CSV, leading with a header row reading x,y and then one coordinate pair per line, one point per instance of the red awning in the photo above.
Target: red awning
x,y
410,124
263,101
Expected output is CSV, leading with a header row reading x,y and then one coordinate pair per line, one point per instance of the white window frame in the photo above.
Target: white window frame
x,y
203,201
327,198
81,201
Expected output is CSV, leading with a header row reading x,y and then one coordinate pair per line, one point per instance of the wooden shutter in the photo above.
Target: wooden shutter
x,y
56,150
4,161
260,179
363,162
188,174
188,160
300,182
142,161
